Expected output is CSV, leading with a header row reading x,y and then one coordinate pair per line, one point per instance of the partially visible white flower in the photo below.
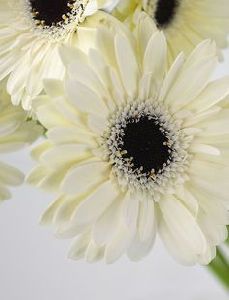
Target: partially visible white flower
x,y
134,150
30,34
185,23
15,133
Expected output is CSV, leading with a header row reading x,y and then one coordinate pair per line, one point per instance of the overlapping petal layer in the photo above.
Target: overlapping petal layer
x,y
15,133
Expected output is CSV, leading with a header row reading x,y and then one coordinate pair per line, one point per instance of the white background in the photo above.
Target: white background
x,y
33,263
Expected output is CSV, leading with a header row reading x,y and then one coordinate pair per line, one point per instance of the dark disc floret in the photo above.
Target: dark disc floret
x,y
165,12
51,12
146,144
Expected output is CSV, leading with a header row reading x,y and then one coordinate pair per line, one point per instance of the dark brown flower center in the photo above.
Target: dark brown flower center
x,y
146,144
51,12
165,12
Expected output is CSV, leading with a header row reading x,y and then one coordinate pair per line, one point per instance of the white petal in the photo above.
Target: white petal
x,y
39,150
139,249
189,200
145,28
94,205
117,87
107,225
79,246
127,64
96,123
202,67
208,256
106,53
206,149
145,86
82,177
216,234
211,208
69,230
83,73
147,229
70,54
64,213
36,175
203,49
17,78
86,35
171,76
48,216
118,246
212,94
176,247
62,154
69,135
93,252
107,5
53,87
155,55
99,65
91,8
147,225
49,116
181,222
85,99
213,189
130,211
10,175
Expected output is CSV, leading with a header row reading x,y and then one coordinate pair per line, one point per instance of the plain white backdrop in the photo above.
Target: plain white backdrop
x,y
33,263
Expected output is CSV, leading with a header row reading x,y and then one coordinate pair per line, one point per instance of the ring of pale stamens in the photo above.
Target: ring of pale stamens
x,y
123,169
58,30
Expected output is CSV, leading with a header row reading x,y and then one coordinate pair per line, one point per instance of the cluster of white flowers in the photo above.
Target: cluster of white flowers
x,y
136,135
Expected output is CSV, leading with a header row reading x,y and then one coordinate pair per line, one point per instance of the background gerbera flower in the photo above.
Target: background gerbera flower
x,y
134,150
185,23
15,132
30,33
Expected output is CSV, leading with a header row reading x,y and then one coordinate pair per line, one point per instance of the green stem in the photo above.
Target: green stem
x,y
220,267
227,241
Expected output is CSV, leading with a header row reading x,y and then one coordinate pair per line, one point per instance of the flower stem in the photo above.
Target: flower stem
x,y
227,241
220,267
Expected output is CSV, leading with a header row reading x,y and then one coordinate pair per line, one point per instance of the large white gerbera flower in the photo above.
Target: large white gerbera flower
x,y
134,150
30,33
15,132
185,23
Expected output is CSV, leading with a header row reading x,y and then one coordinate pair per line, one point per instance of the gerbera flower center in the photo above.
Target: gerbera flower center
x,y
55,18
51,11
145,145
163,11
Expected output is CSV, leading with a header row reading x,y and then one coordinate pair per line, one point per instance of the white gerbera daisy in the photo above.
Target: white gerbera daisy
x,y
30,33
134,150
185,23
15,132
